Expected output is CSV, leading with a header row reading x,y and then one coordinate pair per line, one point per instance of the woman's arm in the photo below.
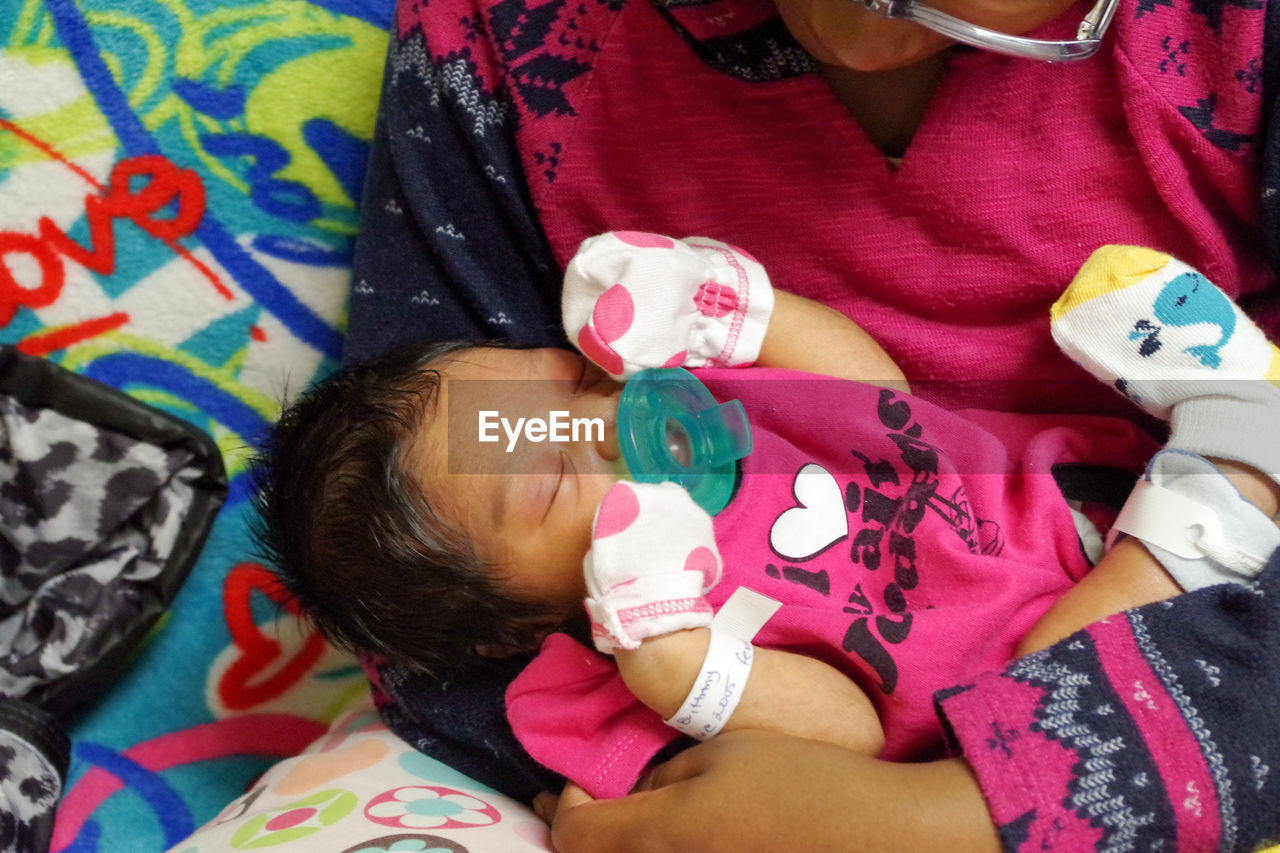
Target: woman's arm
x,y
786,693
807,335
450,245
759,790
1130,709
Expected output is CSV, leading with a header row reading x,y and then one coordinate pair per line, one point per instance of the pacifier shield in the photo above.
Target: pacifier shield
x,y
671,428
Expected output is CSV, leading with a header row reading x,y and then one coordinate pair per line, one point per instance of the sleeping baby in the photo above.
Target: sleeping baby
x,y
872,548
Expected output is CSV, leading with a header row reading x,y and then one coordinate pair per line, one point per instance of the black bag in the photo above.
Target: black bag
x,y
105,503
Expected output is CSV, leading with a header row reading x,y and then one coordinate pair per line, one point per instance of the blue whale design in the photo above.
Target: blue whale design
x,y
1189,299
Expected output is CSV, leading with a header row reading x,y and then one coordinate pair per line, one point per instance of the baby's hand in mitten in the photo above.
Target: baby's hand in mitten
x,y
653,557
634,300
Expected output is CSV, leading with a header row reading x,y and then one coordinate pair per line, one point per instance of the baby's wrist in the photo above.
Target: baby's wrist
x,y
661,672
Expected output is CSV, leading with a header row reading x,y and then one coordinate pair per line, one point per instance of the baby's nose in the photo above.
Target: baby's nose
x,y
608,447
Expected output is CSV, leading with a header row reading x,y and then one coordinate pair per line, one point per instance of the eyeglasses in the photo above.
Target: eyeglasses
x,y
1085,44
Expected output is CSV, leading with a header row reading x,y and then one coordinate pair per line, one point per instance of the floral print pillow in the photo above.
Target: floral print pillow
x,y
360,789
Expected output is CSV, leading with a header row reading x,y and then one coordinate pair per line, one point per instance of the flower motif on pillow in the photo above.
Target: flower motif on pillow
x,y
411,842
298,819
430,807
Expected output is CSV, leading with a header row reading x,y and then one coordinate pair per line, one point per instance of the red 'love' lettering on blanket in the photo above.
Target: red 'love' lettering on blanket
x,y
250,680
165,185
139,189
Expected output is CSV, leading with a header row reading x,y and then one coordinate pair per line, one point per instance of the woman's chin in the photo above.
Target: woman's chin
x,y
890,57
851,38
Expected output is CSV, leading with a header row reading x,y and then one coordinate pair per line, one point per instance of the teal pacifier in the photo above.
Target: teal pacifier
x,y
670,428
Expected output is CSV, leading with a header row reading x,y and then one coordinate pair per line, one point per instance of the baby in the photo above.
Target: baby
x,y
913,547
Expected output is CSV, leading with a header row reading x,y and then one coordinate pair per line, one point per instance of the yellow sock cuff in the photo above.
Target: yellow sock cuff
x,y
1109,269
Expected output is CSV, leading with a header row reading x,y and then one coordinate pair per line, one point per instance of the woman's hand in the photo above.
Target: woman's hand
x,y
757,790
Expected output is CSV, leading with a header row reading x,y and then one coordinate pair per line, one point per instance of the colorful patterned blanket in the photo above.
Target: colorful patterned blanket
x,y
179,183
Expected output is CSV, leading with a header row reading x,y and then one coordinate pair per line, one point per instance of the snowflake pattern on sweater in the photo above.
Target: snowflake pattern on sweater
x,y
1147,731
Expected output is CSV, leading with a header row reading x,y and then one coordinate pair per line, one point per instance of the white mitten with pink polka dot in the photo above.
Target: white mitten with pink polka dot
x,y
653,557
633,300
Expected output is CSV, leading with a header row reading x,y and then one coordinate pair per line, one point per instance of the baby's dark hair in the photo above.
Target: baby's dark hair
x,y
351,536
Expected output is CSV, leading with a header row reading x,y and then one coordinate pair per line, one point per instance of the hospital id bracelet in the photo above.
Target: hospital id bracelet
x,y
726,667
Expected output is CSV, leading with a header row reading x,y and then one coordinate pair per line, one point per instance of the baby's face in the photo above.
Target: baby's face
x,y
527,503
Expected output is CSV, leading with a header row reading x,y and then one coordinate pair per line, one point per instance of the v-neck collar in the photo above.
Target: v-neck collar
x,y
891,100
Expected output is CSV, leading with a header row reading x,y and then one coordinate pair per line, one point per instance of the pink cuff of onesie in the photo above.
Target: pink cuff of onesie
x,y
572,712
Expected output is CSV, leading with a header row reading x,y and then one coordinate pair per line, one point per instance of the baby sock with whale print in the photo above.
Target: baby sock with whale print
x,y
1176,345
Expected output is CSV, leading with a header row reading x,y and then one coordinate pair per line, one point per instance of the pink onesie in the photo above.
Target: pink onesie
x,y
912,547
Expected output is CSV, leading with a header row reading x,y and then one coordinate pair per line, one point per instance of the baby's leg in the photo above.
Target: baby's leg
x,y
1179,347
1176,345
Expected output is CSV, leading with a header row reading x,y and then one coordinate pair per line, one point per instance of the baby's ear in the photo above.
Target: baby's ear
x,y
494,651
538,630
